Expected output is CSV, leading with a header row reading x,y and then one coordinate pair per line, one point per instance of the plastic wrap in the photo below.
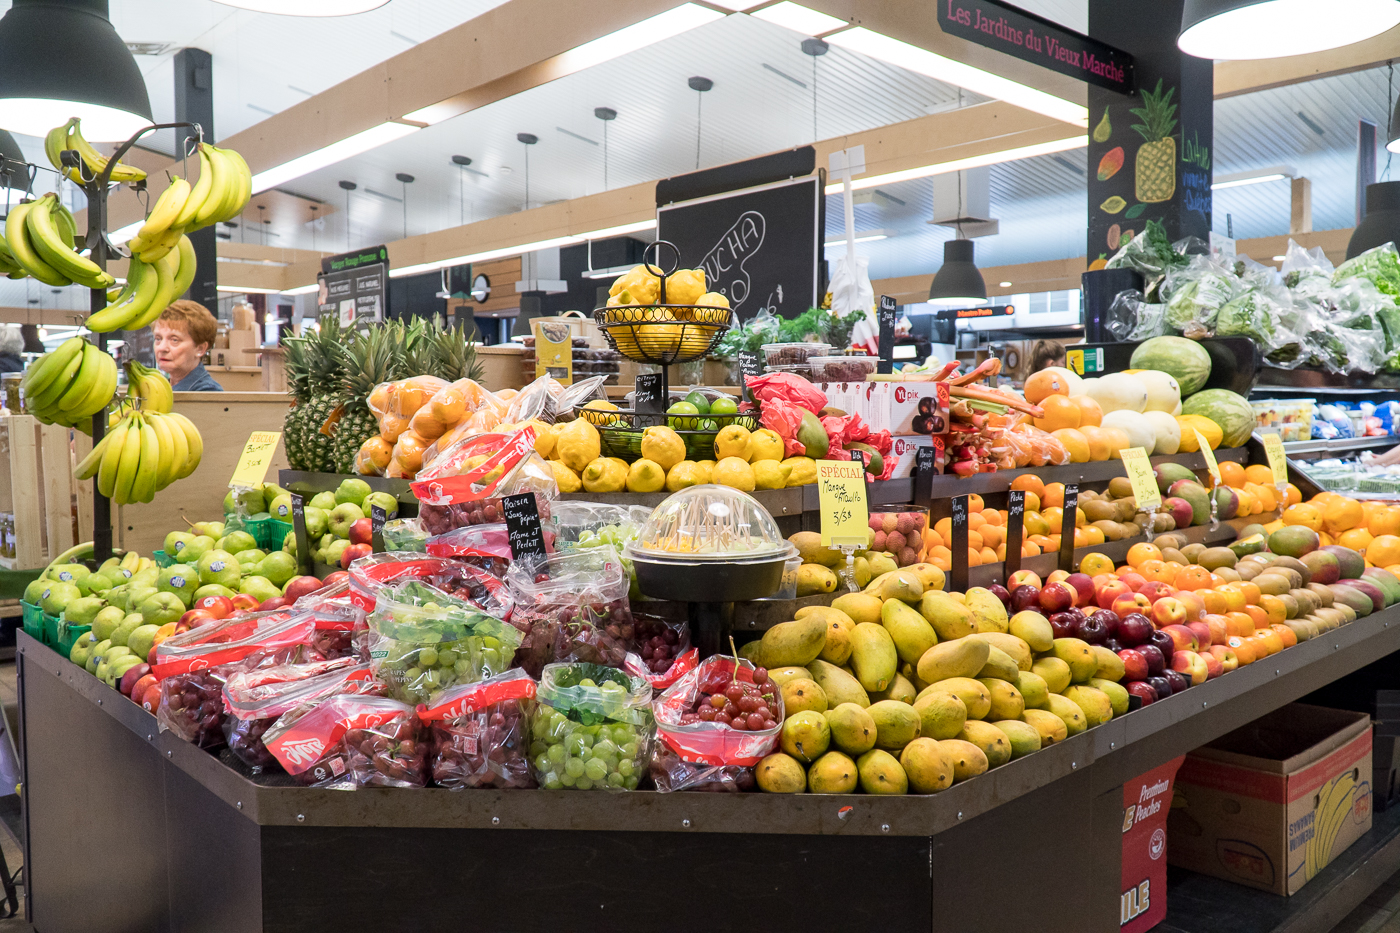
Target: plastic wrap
x,y
573,607
549,400
664,653
480,733
254,700
484,546
1152,255
465,485
310,742
1131,317
405,534
457,578
600,720
1196,293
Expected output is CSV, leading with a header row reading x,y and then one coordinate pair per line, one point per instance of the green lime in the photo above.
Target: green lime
x,y
682,424
700,401
724,405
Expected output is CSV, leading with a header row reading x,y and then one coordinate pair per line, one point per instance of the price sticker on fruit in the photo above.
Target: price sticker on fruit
x,y
1209,454
841,494
1278,460
257,454
1143,479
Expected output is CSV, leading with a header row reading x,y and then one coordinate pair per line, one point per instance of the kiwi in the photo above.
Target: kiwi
x,y
1120,487
1171,553
1216,557
1193,552
1096,511
1112,531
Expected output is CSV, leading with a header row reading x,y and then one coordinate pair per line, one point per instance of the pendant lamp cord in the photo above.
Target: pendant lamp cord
x,y
815,137
605,155
1389,111
699,117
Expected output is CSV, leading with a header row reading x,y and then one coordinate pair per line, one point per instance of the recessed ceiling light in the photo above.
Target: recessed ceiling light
x,y
1249,29
1003,285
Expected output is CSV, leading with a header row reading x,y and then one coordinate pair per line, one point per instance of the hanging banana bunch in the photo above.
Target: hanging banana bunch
x,y
150,386
224,188
70,136
40,235
141,455
149,290
70,384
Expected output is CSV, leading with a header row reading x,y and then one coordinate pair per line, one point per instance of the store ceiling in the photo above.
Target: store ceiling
x,y
761,102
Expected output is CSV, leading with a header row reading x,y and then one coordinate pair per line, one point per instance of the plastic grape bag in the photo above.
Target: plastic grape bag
x,y
573,607
548,400
601,719
480,733
405,534
256,699
350,741
1131,317
458,578
698,745
465,485
664,654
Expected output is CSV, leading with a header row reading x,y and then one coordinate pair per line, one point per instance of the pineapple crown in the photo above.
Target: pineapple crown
x,y
370,358
1157,113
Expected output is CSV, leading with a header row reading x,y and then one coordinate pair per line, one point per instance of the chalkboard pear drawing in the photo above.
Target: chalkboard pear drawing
x,y
724,263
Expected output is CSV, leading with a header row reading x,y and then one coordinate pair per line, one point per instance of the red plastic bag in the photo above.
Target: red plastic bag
x,y
698,748
484,546
465,485
255,699
481,734
785,419
459,578
663,654
325,744
786,387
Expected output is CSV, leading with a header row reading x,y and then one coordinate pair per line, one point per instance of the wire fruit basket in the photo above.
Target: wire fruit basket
x,y
620,432
663,333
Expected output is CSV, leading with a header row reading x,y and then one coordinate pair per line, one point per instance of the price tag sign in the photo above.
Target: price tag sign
x,y
377,518
257,454
889,311
647,397
1143,479
958,576
841,495
1067,526
554,351
1278,460
1209,454
1015,528
523,527
750,364
925,464
299,528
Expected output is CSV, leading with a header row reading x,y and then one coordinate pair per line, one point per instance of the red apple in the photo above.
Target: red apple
x,y
361,531
1110,591
1156,590
1168,611
1190,665
1143,691
1226,656
333,578
196,617
132,675
353,553
276,602
1056,597
139,689
1202,633
1000,592
1023,578
300,586
1025,597
1130,603
1156,660
244,602
1134,629
150,697
1083,586
218,607
1134,664
1213,666
1064,625
1177,680
1182,637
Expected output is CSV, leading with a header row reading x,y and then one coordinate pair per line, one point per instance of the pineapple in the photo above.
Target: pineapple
x,y
325,365
298,380
369,359
1155,161
454,358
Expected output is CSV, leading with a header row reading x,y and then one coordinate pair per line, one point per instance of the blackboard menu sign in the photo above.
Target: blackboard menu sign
x,y
1015,527
523,527
377,518
750,364
647,397
760,247
925,466
303,539
355,286
1067,527
958,578
888,313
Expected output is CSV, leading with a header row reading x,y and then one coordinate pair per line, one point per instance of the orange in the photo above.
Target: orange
x,y
1243,648
1029,483
1193,577
988,555
1393,568
1231,473
1358,539
1251,592
1343,515
1271,639
1285,634
1099,442
1054,518
1158,571
1080,519
1042,385
1215,602
1307,515
1080,538
1090,412
1384,551
1267,496
1143,551
1054,495
1384,521
1234,596
1060,412
1240,623
1117,440
1095,564
1294,496
1274,608
1260,617
1094,535
1075,442
1260,474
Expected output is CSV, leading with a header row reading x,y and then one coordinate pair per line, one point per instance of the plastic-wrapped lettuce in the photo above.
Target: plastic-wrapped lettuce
x,y
1130,317
1381,266
1197,293
1152,255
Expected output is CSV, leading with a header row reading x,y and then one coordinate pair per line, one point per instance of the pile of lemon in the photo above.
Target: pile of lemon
x,y
743,460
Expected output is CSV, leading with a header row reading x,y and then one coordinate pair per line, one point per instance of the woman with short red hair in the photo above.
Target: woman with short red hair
x,y
183,335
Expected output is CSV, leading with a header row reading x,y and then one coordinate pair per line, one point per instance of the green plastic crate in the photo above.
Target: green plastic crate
x,y
162,559
32,620
51,630
68,635
269,532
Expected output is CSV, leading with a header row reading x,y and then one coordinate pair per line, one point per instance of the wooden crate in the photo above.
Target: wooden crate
x,y
37,486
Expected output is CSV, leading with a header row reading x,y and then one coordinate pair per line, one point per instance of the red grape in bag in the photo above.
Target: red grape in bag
x,y
255,699
310,742
480,733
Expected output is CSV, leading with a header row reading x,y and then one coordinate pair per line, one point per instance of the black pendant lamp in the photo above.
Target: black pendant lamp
x,y
62,59
959,279
10,151
1393,137
1381,224
1240,29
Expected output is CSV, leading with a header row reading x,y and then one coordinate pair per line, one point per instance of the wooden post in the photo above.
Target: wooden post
x,y
1301,220
56,464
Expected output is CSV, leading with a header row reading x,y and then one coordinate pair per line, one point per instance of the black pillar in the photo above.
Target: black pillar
x,y
194,103
1162,171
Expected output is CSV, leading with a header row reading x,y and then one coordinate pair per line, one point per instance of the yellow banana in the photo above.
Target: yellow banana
x,y
89,373
43,405
17,237
100,394
48,367
130,463
54,143
53,246
225,187
95,160
244,177
143,488
87,467
144,284
195,442
113,445
166,270
167,208
165,472
199,194
179,447
188,264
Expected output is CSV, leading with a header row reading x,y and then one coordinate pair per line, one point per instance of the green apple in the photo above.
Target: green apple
x,y
83,610
385,501
131,623
343,516
181,580
682,424
214,589
106,622
278,567
35,591
197,548
331,554
219,567
175,542
260,588
57,595
352,491
324,500
162,608
318,521
281,507
236,541
142,640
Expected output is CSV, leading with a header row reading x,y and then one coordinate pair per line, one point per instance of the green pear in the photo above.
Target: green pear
x,y
175,542
83,610
318,521
278,567
260,588
57,595
324,500
219,567
106,622
385,501
213,589
181,580
352,491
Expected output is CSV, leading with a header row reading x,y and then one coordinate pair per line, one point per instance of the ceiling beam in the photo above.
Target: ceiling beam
x,y
1245,77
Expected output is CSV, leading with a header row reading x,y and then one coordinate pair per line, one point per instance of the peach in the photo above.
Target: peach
x,y
1203,635
1226,656
1110,591
1190,665
1083,586
1130,603
1168,611
1182,637
1023,578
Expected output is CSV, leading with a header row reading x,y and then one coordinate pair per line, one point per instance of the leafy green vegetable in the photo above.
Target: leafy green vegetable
x,y
1381,266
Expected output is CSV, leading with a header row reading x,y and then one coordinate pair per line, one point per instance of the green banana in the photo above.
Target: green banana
x,y
47,368
54,245
143,284
111,458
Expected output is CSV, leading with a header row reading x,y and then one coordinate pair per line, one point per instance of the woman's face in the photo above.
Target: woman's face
x,y
176,353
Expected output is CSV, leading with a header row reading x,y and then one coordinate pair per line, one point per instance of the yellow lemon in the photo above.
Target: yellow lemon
x,y
545,437
707,469
803,471
566,479
645,476
770,474
732,441
662,446
734,472
578,444
600,405
765,444
605,474
683,474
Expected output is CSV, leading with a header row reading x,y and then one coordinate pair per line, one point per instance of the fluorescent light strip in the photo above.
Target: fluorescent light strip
x,y
860,238
799,18
301,290
976,80
624,41
957,165
329,155
120,236
603,234
1241,182
240,290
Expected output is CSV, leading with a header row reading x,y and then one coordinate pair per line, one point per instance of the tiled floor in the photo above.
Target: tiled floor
x,y
1380,913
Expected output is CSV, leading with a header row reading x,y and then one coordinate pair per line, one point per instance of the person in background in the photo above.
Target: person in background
x,y
183,335
11,345
1044,354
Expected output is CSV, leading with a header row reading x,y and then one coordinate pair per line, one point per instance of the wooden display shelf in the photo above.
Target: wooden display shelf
x,y
37,487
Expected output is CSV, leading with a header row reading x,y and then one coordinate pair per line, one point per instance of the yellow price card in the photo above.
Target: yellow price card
x,y
841,494
1209,454
257,454
1143,479
1278,460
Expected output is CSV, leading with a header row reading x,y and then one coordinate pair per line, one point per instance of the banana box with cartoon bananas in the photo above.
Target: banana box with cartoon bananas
x,y
1272,803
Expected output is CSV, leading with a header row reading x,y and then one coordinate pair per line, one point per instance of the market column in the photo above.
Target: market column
x,y
1149,151
194,103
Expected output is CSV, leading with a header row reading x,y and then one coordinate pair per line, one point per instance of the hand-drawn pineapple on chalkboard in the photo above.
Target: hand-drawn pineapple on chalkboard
x,y
1155,161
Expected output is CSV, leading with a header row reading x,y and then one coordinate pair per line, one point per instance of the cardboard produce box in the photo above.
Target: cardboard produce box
x,y
1272,803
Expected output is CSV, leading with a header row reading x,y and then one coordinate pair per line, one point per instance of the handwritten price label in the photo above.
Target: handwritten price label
x,y
841,494
1278,460
1143,479
1209,454
257,454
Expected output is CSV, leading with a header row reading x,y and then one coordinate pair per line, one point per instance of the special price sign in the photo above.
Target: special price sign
x,y
841,495
1209,454
1278,460
1143,479
257,454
